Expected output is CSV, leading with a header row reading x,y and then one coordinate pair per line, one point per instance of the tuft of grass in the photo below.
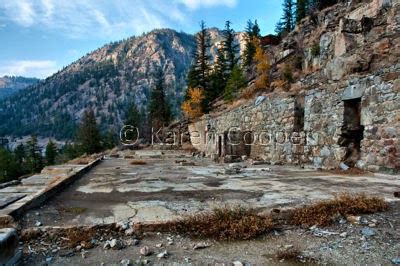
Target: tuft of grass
x,y
224,224
76,237
323,213
292,254
315,50
138,162
74,210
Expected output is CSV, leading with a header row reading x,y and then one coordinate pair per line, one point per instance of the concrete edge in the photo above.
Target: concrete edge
x,y
38,199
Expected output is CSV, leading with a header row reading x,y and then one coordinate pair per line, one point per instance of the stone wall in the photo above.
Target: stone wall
x,y
267,131
272,125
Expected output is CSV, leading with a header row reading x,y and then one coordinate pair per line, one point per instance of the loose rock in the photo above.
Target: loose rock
x,y
145,251
162,254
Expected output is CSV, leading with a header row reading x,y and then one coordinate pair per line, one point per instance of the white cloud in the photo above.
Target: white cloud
x,y
195,4
78,18
30,68
21,12
105,18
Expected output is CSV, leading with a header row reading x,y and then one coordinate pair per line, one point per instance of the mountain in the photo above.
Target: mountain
x,y
107,80
10,85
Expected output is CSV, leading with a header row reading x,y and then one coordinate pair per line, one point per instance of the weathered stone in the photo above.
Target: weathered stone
x,y
145,251
8,245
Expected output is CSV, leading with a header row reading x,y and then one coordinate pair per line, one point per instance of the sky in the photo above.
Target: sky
x,y
39,37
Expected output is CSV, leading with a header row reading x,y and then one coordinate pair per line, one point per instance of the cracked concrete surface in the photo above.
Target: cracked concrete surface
x,y
162,190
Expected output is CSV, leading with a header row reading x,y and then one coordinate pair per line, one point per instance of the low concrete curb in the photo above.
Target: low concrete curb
x,y
57,184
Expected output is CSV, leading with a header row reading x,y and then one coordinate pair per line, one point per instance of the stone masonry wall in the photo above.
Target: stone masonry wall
x,y
271,124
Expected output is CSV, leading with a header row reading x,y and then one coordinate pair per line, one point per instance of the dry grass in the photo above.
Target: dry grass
x,y
292,254
324,213
224,224
138,162
76,237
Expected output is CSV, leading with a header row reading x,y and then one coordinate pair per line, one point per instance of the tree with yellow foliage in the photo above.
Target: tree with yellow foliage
x,y
262,66
193,106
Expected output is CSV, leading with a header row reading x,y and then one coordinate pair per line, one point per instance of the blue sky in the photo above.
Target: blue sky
x,y
38,37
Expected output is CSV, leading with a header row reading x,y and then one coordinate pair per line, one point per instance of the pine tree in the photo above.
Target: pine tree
x,y
134,119
301,9
34,158
218,77
286,24
256,30
252,32
51,153
19,154
9,169
198,76
203,46
88,137
159,109
235,83
231,48
110,139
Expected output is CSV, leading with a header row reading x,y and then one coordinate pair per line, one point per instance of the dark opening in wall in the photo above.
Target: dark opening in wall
x,y
237,143
219,146
352,130
299,114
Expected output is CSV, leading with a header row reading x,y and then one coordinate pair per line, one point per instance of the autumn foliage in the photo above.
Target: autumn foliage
x,y
262,66
192,107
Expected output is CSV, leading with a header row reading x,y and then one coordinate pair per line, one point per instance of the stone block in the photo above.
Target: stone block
x,y
8,246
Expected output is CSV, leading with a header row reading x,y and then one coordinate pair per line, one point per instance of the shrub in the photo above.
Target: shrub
x,y
287,74
323,213
315,50
224,224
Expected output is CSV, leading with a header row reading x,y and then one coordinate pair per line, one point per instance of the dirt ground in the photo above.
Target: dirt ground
x,y
170,187
318,246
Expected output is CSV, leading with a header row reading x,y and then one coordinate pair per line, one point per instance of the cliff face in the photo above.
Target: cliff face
x,y
343,106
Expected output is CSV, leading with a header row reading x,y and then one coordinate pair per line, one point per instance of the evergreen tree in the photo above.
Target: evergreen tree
x,y
159,109
19,154
235,83
219,76
70,151
51,153
199,73
286,24
110,139
203,46
301,9
134,119
252,32
88,137
9,169
231,48
256,30
34,158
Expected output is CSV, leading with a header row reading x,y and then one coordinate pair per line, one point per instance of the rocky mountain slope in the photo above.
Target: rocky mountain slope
x,y
10,85
107,80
